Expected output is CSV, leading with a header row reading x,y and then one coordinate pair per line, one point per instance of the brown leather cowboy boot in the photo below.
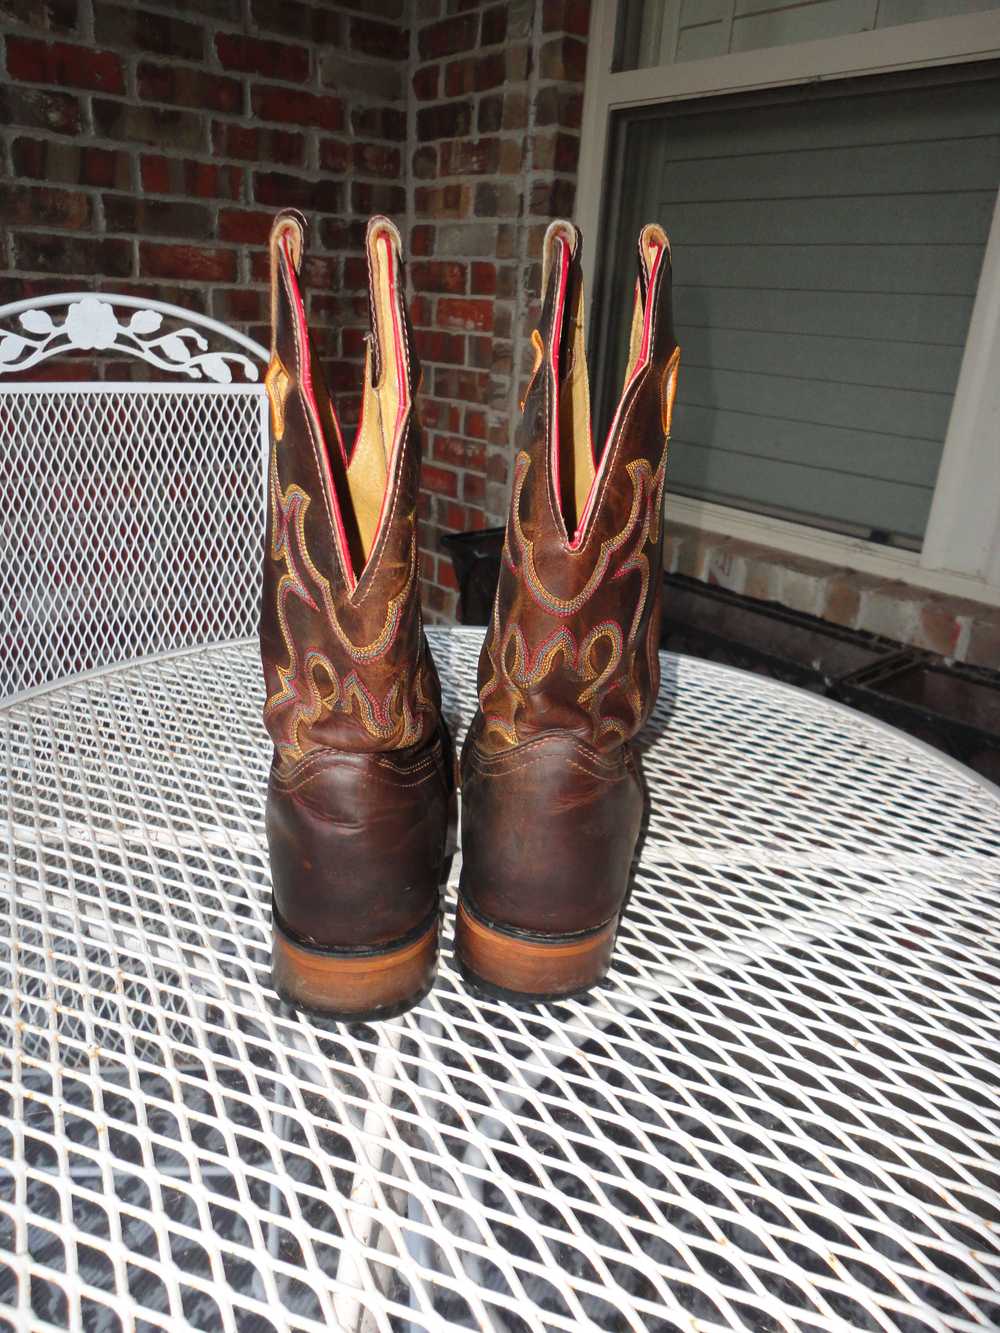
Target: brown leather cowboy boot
x,y
552,798
357,803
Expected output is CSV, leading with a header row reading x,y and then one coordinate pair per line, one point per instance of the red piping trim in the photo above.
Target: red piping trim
x,y
557,323
305,376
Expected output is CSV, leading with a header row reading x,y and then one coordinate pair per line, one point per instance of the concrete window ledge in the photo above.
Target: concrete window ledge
x,y
954,627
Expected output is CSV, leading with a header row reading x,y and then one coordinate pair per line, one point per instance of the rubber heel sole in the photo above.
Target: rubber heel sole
x,y
530,968
350,985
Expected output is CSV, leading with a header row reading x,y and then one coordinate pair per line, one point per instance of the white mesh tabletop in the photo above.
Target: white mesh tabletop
x,y
782,1111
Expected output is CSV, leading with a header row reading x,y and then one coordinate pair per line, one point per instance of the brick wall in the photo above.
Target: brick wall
x,y
494,138
144,148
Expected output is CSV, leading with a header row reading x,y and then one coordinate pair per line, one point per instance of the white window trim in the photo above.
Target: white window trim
x,y
961,551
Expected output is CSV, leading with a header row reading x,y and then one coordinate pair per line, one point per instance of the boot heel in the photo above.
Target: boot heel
x,y
354,985
532,967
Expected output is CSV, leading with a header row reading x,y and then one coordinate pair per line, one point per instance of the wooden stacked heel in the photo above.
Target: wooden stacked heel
x,y
528,967
354,985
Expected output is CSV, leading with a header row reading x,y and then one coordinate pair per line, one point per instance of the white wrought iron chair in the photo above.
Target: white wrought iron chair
x,y
130,512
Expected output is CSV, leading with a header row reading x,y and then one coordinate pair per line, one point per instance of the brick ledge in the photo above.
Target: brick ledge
x,y
955,627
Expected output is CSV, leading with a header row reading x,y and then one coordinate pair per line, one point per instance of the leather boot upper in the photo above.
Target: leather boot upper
x,y
358,799
574,638
344,657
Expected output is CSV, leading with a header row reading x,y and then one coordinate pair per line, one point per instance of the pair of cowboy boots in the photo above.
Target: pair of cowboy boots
x,y
360,795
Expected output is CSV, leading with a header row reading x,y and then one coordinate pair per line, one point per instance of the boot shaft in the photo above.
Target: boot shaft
x,y
344,657
576,620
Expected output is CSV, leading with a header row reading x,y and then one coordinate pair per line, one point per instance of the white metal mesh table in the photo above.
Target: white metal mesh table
x,y
781,1112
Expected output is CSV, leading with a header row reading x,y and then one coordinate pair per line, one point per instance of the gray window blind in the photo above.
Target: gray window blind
x,y
827,249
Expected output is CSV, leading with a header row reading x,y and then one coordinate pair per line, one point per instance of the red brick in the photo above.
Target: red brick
x,y
475,423
490,72
202,180
379,122
68,66
556,152
157,217
187,262
434,413
457,452
37,206
285,148
388,41
296,107
377,197
468,386
446,573
254,55
242,305
321,25
484,278
566,16
464,313
422,240
342,233
144,30
52,16
50,160
244,225
355,273
490,114
438,276
983,648
559,106
462,157
37,108
164,127
448,37
425,83
473,488
352,342
281,190
335,155
494,25
374,159
442,201
552,198
496,468
498,201
446,120
35,252
181,86
437,346
440,480
424,163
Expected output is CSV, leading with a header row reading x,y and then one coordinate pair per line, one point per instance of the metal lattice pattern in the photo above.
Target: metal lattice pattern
x,y
130,524
781,1112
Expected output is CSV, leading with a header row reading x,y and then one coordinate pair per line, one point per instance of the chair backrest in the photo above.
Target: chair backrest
x,y
131,513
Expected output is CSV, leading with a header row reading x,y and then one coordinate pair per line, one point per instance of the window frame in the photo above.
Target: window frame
x,y
961,549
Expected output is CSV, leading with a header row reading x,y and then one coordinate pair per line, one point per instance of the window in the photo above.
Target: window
x,y
829,241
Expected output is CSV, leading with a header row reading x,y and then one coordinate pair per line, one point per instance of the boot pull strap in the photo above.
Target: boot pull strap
x,y
655,268
287,244
389,320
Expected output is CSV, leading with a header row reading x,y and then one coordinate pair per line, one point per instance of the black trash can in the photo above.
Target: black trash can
x,y
476,558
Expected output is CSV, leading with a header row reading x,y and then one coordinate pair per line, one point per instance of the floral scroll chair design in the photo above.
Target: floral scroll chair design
x,y
131,513
91,324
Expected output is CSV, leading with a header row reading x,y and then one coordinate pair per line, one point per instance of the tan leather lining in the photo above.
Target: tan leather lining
x,y
576,450
276,382
368,471
668,390
574,413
